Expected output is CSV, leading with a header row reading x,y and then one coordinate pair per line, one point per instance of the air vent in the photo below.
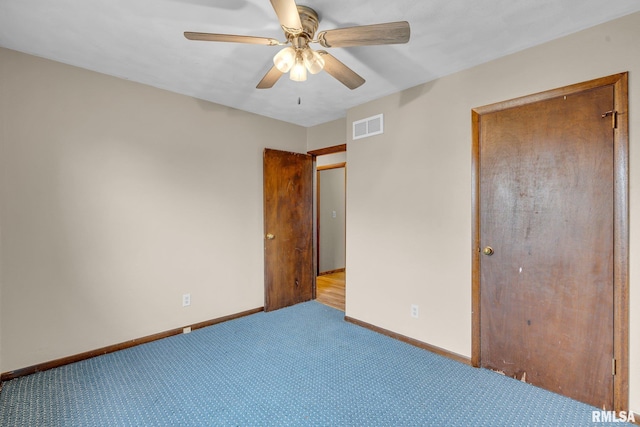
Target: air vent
x,y
368,127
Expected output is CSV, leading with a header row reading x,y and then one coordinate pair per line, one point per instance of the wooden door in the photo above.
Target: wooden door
x,y
288,227
546,235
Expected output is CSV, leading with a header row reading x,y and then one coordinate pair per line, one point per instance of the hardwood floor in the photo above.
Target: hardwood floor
x,y
330,289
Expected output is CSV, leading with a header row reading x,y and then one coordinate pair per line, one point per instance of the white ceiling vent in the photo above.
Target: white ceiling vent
x,y
370,126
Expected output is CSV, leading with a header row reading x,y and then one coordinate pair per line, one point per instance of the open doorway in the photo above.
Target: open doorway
x,y
331,226
331,234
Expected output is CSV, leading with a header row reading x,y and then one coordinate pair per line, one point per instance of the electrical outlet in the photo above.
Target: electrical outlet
x,y
186,300
415,311
186,329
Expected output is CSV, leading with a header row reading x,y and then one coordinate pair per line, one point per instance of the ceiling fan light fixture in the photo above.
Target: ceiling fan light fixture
x,y
298,71
285,59
300,24
313,61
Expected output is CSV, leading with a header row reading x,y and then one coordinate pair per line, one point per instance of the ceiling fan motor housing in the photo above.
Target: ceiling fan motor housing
x,y
309,19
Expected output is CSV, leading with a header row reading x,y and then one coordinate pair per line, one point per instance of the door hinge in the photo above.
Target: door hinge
x,y
614,118
613,366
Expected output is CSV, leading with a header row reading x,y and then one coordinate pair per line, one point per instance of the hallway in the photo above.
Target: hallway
x,y
330,289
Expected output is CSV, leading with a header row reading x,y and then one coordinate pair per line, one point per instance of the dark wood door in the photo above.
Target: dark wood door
x,y
547,206
288,228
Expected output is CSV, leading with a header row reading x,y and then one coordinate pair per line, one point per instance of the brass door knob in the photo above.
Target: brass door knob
x,y
270,236
488,251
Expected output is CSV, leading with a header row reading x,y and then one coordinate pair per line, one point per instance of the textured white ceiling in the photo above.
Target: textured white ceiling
x,y
142,41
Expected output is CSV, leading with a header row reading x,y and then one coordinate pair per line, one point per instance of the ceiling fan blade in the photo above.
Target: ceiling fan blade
x,y
288,15
230,38
270,78
341,72
366,35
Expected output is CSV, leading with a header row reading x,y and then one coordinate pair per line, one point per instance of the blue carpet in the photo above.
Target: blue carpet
x,y
301,366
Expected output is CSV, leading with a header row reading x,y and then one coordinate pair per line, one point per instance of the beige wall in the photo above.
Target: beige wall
x,y
332,229
327,134
409,190
117,198
331,159
1,281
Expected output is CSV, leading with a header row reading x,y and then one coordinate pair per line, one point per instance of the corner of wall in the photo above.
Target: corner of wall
x,y
327,134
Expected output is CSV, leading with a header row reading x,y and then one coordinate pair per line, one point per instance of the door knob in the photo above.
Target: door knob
x,y
488,251
270,236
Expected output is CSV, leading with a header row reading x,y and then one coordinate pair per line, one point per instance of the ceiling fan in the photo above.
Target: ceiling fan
x,y
299,24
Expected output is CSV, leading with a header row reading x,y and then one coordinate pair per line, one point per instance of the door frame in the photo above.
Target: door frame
x,y
620,119
315,153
